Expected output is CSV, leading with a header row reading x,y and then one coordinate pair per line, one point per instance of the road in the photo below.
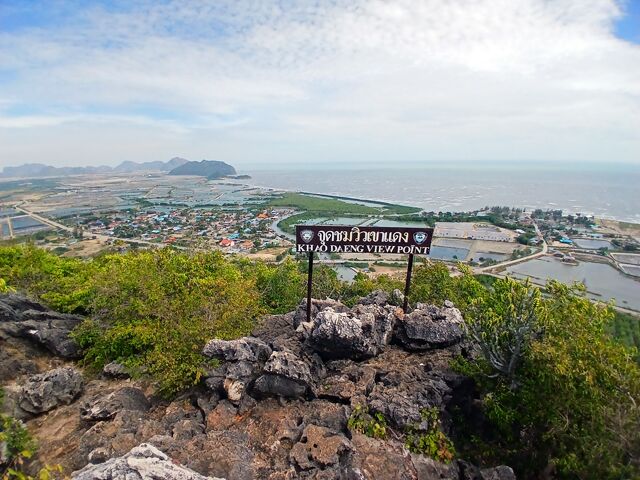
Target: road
x,y
545,249
98,236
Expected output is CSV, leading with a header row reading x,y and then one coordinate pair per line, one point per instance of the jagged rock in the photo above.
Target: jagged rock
x,y
381,460
106,407
501,472
285,375
319,447
347,380
243,349
360,333
235,389
279,386
98,455
317,306
429,327
143,462
222,417
23,318
428,468
46,391
115,370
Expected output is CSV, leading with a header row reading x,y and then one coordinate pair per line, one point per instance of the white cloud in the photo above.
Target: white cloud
x,y
485,79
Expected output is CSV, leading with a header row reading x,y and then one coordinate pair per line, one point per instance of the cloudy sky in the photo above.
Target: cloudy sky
x,y
316,82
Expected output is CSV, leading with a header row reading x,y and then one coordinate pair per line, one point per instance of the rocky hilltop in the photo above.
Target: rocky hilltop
x,y
296,400
211,169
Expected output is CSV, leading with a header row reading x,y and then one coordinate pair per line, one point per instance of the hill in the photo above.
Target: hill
x,y
205,168
35,170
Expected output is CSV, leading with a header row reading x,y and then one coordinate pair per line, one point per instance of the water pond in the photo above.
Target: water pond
x,y
602,280
591,244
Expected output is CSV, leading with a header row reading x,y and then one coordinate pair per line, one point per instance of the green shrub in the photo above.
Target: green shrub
x,y
372,425
432,442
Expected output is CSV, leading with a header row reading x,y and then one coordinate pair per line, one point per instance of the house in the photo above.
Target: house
x,y
225,242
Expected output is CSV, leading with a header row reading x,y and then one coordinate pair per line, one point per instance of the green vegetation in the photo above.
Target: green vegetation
x,y
626,328
558,392
16,447
433,443
322,205
372,425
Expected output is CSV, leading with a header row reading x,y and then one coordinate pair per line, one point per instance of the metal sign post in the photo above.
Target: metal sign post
x,y
346,239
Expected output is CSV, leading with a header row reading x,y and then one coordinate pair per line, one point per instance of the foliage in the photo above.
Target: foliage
x,y
504,323
322,205
626,329
572,400
372,425
430,441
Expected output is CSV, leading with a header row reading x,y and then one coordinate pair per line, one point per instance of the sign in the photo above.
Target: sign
x,y
342,239
346,239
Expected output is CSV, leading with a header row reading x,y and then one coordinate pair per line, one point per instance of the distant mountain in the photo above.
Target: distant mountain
x,y
41,170
31,170
205,168
129,166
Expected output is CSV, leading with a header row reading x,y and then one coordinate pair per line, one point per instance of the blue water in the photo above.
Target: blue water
x,y
604,191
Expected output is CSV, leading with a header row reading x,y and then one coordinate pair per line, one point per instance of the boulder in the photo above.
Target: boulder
x,y
285,375
115,370
142,462
248,349
317,306
45,391
430,327
106,407
360,333
21,317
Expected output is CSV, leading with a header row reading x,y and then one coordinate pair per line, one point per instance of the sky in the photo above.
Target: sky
x,y
313,82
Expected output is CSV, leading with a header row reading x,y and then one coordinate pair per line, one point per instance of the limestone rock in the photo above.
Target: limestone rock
x,y
317,306
115,370
106,407
24,318
247,348
319,447
45,391
142,462
361,333
429,327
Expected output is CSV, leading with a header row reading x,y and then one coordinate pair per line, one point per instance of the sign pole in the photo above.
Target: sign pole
x,y
407,285
309,282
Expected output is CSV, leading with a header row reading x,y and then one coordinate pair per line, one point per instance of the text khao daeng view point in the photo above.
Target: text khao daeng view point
x,y
328,240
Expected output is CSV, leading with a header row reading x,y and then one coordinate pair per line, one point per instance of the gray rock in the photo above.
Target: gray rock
x,y
141,463
115,370
106,407
24,318
361,333
316,307
275,385
288,365
377,297
46,391
498,473
247,348
429,327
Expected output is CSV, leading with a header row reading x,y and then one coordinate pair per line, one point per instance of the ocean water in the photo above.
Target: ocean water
x,y
602,190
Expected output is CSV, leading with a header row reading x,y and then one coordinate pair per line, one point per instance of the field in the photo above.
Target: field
x,y
323,205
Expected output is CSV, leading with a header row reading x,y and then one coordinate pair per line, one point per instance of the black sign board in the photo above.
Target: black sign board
x,y
341,239
349,239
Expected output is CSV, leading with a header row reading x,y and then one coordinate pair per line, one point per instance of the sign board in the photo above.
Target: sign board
x,y
346,239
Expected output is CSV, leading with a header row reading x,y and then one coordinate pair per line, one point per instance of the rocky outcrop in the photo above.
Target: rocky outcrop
x,y
105,407
143,462
21,317
360,333
276,405
429,327
46,391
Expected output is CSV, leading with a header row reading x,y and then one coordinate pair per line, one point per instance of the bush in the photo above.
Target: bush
x,y
372,425
571,403
432,442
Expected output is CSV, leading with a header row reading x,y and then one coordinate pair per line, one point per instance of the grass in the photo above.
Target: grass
x,y
322,205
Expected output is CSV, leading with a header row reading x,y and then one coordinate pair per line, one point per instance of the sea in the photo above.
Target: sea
x,y
606,191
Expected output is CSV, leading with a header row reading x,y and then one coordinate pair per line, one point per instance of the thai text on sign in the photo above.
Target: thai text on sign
x,y
347,239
